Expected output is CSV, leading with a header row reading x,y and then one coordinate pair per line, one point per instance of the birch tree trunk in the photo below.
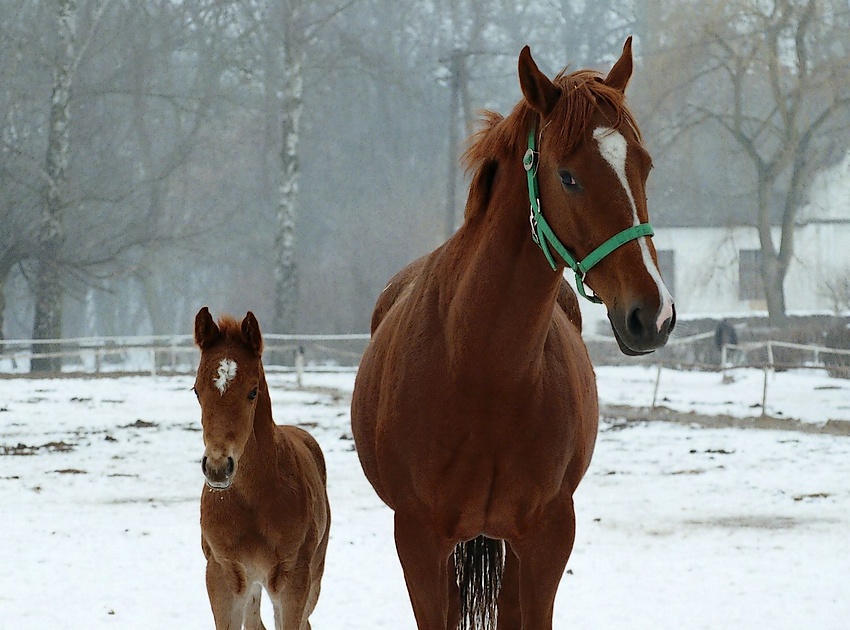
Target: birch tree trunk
x,y
285,265
48,292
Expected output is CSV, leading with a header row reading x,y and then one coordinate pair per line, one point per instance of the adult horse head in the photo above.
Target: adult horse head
x,y
587,171
227,386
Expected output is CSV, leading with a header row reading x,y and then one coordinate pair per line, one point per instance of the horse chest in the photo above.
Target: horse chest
x,y
496,450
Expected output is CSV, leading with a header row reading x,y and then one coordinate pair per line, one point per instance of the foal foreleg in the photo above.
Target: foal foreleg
x,y
290,592
229,595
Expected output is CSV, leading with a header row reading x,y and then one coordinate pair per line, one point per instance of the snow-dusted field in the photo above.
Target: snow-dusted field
x,y
679,527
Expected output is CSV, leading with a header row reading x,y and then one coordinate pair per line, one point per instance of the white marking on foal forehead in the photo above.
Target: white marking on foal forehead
x,y
225,374
614,149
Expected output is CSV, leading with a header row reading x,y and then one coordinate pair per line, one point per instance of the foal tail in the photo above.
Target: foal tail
x,y
479,564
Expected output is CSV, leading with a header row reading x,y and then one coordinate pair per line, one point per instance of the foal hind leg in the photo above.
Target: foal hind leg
x,y
252,610
424,560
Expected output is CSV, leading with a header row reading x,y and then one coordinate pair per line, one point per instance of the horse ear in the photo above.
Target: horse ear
x,y
206,331
620,74
538,90
251,333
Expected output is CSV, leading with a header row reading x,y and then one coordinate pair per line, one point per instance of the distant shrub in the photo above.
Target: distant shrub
x,y
838,365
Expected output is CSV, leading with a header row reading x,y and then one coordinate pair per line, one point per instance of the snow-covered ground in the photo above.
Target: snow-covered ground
x,y
679,527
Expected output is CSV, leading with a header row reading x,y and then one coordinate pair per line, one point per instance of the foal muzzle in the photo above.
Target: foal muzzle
x,y
219,473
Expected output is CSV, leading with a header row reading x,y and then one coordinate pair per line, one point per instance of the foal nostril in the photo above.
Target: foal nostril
x,y
204,465
231,465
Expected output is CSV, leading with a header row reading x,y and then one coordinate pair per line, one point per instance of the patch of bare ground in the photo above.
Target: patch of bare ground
x,y
617,413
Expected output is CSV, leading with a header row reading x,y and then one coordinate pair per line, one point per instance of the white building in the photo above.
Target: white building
x,y
715,270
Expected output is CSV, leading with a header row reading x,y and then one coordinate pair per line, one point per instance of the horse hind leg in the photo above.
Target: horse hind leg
x,y
543,553
424,559
510,616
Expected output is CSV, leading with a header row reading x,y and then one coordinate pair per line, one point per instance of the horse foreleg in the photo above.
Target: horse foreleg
x,y
425,561
228,593
543,553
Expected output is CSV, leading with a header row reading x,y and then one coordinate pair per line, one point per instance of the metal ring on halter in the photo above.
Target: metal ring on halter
x,y
528,159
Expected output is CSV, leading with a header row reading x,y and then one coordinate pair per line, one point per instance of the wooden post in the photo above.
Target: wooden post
x,y
299,367
764,393
657,383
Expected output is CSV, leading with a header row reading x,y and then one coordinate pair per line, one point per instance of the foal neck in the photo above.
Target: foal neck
x,y
262,445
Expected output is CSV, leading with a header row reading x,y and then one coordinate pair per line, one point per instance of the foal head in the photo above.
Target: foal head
x,y
230,375
591,169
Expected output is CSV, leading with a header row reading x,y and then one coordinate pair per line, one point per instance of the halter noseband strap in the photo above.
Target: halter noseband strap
x,y
545,237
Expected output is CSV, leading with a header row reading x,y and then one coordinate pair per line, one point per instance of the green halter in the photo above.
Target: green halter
x,y
545,237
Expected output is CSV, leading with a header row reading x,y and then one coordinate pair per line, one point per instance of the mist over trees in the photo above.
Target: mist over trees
x,y
288,157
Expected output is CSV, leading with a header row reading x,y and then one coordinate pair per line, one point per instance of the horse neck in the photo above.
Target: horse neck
x,y
499,309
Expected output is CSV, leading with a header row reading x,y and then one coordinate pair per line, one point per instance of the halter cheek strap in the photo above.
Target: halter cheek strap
x,y
545,237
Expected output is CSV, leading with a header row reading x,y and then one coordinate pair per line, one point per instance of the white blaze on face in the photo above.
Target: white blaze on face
x,y
614,148
226,374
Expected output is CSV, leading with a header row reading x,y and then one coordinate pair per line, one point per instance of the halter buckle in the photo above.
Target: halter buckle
x,y
533,221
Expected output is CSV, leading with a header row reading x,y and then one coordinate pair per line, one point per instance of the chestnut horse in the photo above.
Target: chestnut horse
x,y
264,508
475,407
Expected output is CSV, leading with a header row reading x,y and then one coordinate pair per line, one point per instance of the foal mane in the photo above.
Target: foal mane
x,y
583,93
231,330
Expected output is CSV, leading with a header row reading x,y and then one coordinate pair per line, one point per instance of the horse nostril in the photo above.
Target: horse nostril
x,y
634,324
204,464
231,465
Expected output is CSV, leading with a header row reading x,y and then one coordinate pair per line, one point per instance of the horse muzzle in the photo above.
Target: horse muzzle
x,y
640,330
219,472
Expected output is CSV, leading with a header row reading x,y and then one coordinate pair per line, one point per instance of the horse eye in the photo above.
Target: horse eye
x,y
252,394
567,179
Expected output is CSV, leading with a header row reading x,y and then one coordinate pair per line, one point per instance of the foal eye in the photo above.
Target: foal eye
x,y
567,179
252,394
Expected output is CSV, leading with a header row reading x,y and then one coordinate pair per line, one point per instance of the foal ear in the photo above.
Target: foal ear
x,y
251,333
538,90
620,74
206,331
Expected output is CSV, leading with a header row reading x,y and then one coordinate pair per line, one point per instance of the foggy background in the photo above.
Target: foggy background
x,y
288,157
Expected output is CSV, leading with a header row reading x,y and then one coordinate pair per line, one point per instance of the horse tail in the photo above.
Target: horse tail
x,y
479,564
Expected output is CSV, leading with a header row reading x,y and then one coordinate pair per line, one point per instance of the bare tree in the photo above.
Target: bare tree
x,y
51,233
775,77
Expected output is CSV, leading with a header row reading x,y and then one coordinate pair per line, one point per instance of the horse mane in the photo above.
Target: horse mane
x,y
583,93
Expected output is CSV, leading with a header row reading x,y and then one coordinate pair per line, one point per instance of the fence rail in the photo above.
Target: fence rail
x,y
153,354
177,353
